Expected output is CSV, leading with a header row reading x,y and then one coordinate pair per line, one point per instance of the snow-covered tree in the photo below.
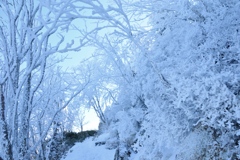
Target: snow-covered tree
x,y
168,69
29,38
193,49
179,79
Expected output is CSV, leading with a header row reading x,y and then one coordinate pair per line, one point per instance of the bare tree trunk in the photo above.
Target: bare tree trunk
x,y
98,109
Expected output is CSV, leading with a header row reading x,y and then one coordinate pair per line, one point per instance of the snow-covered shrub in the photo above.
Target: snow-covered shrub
x,y
190,78
123,127
185,88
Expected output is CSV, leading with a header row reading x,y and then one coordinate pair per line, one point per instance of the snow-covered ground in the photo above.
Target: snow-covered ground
x,y
88,151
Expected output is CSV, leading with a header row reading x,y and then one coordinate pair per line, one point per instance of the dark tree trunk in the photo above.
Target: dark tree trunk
x,y
5,137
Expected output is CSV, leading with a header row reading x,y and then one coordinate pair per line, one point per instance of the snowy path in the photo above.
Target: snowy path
x,y
88,151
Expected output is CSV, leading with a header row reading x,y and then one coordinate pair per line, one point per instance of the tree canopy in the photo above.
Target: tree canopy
x,y
164,78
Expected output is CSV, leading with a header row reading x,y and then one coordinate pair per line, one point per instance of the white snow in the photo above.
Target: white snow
x,y
88,151
193,146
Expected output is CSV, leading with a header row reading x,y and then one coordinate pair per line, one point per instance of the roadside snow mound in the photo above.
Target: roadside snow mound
x,y
88,151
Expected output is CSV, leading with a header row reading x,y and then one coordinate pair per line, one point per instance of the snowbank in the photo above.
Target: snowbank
x,y
88,151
